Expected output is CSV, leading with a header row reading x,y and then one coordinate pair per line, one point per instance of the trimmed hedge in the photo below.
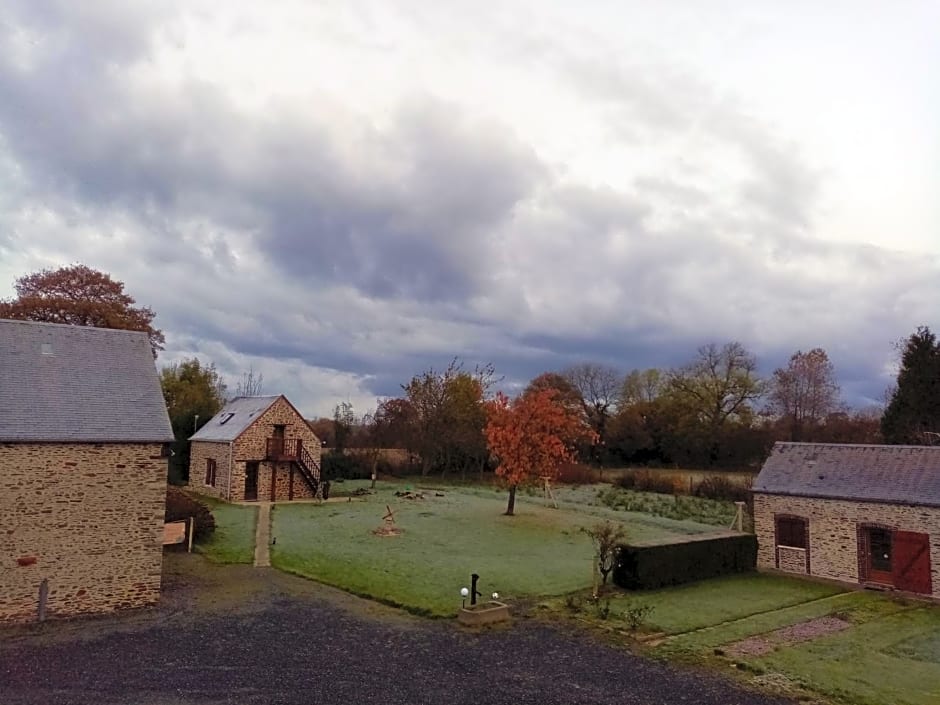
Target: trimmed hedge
x,y
655,566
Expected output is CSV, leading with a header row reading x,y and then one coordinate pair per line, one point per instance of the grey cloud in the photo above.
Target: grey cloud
x,y
383,252
417,228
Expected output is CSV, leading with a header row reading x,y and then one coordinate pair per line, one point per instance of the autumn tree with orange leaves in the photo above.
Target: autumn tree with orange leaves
x,y
532,436
80,296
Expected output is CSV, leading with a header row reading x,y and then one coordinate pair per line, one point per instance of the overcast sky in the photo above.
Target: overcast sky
x,y
341,194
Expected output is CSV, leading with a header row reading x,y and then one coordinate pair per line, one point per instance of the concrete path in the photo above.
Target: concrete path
x,y
263,536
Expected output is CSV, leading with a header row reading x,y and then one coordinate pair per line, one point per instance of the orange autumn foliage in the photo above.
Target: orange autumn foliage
x,y
532,436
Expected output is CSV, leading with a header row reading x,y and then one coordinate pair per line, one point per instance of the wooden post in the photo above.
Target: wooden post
x,y
596,572
43,599
547,490
739,520
192,530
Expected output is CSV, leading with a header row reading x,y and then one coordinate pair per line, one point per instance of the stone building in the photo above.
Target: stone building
x,y
83,469
256,448
862,514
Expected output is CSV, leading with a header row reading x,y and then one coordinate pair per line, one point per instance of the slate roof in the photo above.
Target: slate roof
x,y
891,474
237,415
79,384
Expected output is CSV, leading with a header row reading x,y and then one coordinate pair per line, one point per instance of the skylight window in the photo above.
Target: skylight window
x,y
225,419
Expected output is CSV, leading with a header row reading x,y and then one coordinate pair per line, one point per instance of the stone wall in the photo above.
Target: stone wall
x,y
792,560
199,452
251,445
833,532
86,517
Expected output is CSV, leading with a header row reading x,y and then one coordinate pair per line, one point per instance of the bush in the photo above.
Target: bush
x,y
719,487
647,481
636,614
577,474
347,467
180,507
655,566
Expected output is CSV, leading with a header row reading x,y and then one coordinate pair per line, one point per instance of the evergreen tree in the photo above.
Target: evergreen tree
x,y
914,410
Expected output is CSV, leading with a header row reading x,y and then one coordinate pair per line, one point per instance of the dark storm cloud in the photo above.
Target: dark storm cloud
x,y
383,249
417,226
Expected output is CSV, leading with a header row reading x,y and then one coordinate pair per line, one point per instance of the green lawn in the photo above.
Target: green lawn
x,y
891,654
891,659
538,552
233,540
691,607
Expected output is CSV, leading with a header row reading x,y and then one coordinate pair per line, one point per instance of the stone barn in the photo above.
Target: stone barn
x,y
256,448
83,469
862,514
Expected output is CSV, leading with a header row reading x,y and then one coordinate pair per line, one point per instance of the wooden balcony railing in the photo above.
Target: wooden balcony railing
x,y
283,448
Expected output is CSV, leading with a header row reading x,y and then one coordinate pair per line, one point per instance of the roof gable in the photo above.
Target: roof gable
x,y
236,416
62,383
872,473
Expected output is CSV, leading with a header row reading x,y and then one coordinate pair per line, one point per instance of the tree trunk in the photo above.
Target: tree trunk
x,y
512,501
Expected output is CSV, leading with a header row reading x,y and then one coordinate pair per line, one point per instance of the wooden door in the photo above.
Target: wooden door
x,y
277,442
273,481
911,566
251,481
875,554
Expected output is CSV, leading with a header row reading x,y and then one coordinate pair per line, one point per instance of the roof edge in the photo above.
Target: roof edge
x,y
96,441
883,446
845,498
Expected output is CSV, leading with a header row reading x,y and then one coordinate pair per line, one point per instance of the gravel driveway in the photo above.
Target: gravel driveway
x,y
247,636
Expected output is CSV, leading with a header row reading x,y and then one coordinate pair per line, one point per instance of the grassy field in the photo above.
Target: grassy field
x,y
233,540
540,551
889,654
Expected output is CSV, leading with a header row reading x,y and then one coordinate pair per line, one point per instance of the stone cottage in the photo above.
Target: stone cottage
x,y
83,469
256,448
862,514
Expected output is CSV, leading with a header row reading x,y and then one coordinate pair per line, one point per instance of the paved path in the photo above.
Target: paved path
x,y
263,536
255,636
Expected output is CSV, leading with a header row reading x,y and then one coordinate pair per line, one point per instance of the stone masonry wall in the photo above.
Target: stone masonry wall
x,y
251,445
86,517
833,534
199,452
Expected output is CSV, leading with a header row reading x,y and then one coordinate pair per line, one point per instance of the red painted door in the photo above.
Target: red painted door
x,y
911,564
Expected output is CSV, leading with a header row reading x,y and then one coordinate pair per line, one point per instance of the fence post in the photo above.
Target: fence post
x,y
192,530
740,517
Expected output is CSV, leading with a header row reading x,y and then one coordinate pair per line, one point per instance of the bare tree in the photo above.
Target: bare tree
x,y
249,385
606,537
805,392
600,387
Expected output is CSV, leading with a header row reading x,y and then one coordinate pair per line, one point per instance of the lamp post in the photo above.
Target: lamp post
x,y
464,592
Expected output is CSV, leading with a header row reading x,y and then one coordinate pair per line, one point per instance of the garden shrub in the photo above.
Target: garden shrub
x,y
635,615
720,487
647,481
655,566
577,474
180,507
342,466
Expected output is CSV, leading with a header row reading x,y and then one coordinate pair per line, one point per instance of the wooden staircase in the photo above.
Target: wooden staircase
x,y
292,450
309,468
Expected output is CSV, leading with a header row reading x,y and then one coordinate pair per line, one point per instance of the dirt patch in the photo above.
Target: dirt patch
x,y
794,634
